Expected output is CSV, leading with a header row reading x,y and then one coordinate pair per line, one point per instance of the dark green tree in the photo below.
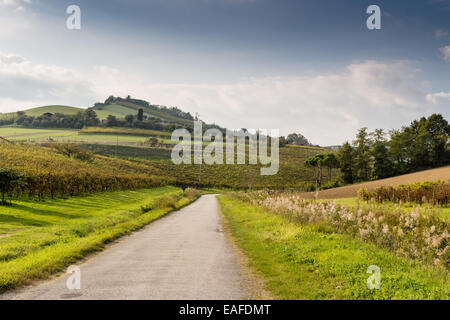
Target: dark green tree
x,y
129,119
140,115
381,161
346,159
90,118
111,121
9,180
330,162
362,146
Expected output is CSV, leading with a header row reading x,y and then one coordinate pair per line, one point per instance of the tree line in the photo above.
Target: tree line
x,y
375,155
88,118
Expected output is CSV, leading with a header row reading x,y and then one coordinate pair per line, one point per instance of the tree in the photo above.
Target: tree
x,y
297,139
109,100
9,180
362,154
439,131
140,115
90,118
129,119
111,121
316,163
346,159
330,161
152,141
381,161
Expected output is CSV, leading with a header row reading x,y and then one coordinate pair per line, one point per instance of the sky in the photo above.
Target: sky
x,y
305,66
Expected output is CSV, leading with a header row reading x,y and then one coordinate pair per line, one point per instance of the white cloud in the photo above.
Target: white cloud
x,y
446,53
327,108
14,3
436,97
22,82
8,2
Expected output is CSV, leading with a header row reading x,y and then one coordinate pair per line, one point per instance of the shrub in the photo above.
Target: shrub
x,y
191,193
10,180
364,194
416,234
436,193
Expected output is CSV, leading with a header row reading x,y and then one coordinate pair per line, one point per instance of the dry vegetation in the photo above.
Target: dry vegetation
x,y
351,191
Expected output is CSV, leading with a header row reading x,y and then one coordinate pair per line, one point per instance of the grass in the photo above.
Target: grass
x,y
444,212
125,131
35,112
292,173
310,262
67,135
114,110
38,239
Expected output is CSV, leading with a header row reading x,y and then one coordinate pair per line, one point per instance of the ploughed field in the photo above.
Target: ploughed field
x,y
442,174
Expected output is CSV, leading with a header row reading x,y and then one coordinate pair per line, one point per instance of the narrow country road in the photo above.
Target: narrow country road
x,y
184,255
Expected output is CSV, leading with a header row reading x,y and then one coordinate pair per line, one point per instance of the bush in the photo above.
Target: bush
x,y
191,193
10,180
364,194
414,234
332,184
436,193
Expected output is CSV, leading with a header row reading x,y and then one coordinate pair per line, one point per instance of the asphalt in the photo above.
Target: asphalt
x,y
184,255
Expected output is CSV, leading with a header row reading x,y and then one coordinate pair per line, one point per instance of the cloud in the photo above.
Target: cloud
x,y
14,3
436,97
440,34
446,53
22,82
327,108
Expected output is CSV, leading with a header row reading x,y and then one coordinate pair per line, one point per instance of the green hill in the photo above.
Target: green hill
x,y
35,112
119,107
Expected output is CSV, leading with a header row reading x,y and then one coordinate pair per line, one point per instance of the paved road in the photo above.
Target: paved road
x,y
184,255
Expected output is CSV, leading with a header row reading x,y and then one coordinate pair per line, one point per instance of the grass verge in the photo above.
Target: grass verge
x,y
40,239
310,262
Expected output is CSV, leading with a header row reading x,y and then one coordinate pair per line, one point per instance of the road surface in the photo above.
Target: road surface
x,y
184,255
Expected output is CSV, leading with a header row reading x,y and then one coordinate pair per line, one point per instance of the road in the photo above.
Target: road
x,y
184,255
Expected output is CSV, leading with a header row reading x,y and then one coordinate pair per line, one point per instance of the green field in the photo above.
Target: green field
x,y
38,239
35,112
310,262
67,135
114,110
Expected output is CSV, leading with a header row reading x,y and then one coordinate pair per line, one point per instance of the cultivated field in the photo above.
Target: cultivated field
x,y
351,191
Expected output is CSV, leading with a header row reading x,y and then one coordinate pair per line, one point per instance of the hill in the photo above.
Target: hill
x,y
162,116
350,191
35,112
120,107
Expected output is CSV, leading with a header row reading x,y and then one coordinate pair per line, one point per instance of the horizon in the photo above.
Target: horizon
x,y
297,66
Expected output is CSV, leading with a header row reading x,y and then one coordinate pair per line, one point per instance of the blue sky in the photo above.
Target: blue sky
x,y
308,66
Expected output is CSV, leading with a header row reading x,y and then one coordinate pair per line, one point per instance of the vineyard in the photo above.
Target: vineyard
x,y
38,172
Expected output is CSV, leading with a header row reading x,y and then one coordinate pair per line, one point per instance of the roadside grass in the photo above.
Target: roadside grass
x,y
312,262
38,239
444,212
